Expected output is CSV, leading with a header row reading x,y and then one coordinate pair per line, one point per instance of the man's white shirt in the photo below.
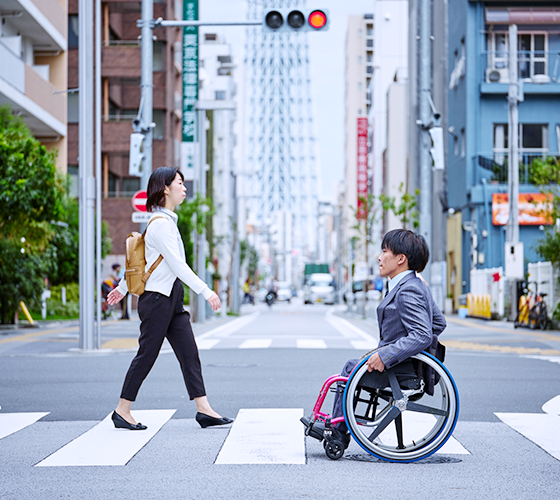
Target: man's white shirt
x,y
394,281
163,238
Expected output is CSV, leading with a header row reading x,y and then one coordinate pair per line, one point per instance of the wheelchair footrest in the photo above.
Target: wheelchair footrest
x,y
315,429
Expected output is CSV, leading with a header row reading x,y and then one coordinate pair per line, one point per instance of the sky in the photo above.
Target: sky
x,y
326,55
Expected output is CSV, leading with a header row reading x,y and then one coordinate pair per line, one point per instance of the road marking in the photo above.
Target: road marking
x,y
230,327
473,346
480,326
265,436
205,344
121,343
552,359
552,406
348,330
419,424
256,344
13,422
105,445
542,429
311,344
364,345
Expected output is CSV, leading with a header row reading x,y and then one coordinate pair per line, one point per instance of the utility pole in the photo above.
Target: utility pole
x,y
86,179
147,89
512,233
425,83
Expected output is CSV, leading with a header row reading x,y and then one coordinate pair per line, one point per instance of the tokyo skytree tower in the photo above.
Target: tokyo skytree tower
x,y
280,131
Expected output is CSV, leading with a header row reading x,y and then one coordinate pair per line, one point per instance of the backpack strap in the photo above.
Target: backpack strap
x,y
159,259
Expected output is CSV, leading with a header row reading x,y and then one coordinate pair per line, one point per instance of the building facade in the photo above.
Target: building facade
x,y
33,68
121,72
477,155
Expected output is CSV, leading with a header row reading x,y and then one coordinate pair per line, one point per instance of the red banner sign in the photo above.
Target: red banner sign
x,y
362,170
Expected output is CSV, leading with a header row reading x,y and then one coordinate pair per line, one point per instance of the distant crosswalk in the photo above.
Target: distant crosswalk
x,y
258,436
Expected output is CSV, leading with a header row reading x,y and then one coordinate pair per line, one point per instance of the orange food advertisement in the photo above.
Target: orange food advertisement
x,y
534,209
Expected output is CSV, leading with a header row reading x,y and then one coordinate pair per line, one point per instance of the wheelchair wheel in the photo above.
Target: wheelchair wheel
x,y
397,424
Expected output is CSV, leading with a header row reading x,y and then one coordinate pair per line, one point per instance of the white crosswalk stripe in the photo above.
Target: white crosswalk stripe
x,y
105,445
255,344
311,344
13,422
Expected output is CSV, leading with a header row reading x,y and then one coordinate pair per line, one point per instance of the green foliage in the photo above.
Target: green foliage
x,y
31,196
253,264
193,215
405,210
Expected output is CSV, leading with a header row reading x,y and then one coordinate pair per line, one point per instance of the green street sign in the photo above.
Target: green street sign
x,y
190,78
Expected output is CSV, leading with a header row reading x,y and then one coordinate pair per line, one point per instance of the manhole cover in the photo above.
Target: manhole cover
x,y
434,459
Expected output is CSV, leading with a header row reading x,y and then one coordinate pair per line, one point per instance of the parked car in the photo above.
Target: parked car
x,y
319,287
284,292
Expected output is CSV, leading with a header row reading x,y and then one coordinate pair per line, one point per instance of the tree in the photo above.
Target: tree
x,y
31,197
546,173
406,210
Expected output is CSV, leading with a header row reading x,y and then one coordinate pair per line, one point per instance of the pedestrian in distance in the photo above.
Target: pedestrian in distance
x,y
160,307
409,319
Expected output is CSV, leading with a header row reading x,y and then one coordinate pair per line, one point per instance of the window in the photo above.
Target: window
x,y
533,138
73,188
73,107
130,185
532,54
73,32
159,56
159,120
220,95
463,143
369,57
369,30
369,43
210,37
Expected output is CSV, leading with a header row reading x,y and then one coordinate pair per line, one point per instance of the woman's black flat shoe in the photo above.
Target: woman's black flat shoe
x,y
208,421
121,423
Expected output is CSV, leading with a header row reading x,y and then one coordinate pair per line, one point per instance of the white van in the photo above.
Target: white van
x,y
318,288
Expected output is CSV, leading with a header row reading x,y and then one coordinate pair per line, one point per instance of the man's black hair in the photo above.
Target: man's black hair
x,y
409,244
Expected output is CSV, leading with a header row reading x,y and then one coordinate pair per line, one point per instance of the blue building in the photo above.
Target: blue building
x,y
477,150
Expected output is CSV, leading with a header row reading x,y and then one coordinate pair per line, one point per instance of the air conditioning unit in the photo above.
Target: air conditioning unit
x,y
500,75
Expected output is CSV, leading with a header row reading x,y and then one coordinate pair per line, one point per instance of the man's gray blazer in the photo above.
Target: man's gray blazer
x,y
409,321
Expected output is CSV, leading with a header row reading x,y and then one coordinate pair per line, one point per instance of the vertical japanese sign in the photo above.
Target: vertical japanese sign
x,y
190,88
362,170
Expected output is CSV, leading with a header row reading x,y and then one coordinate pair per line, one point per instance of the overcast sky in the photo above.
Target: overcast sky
x,y
326,51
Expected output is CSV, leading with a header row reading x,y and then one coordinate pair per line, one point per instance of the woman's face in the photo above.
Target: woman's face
x,y
175,193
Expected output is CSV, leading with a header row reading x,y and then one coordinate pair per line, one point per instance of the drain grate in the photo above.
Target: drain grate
x,y
439,459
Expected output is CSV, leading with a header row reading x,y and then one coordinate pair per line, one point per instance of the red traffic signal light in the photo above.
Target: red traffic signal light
x,y
317,19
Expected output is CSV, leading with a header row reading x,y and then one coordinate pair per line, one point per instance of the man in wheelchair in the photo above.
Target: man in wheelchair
x,y
409,323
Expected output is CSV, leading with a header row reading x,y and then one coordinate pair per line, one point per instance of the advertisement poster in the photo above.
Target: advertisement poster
x,y
534,209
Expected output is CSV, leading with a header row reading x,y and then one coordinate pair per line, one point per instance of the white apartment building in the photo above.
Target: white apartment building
x,y
390,66
33,68
217,85
359,55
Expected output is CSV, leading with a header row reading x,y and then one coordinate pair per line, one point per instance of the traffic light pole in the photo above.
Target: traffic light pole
x,y
147,26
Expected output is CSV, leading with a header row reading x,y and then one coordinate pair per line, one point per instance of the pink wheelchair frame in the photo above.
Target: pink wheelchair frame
x,y
317,413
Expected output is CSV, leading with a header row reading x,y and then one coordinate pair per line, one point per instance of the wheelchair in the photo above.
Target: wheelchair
x,y
392,416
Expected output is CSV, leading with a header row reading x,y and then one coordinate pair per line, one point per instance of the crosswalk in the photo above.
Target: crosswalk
x,y
257,436
336,333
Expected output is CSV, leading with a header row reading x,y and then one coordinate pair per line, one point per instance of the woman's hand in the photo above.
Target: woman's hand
x,y
214,301
114,297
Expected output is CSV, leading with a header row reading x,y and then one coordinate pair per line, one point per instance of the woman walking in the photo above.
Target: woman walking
x,y
160,307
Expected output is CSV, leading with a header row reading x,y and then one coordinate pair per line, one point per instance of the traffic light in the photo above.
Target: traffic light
x,y
136,158
294,20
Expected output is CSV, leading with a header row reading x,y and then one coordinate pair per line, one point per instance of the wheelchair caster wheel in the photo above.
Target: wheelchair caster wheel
x,y
334,449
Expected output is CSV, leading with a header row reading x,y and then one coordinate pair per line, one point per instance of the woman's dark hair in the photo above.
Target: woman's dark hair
x,y
161,177
409,244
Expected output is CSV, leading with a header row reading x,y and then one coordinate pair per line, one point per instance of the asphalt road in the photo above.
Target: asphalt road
x,y
496,368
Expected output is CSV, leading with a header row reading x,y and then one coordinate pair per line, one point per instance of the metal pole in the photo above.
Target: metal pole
x,y
147,89
98,163
172,24
87,182
424,72
513,163
234,286
201,266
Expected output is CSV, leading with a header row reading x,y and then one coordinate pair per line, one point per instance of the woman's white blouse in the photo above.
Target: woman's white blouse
x,y
163,238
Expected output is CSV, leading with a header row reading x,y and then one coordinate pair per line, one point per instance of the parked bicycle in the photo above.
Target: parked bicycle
x,y
532,310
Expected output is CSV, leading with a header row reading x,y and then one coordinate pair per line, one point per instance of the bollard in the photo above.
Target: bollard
x,y
63,295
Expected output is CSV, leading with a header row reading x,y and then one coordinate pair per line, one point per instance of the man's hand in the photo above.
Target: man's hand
x,y
214,302
374,363
114,297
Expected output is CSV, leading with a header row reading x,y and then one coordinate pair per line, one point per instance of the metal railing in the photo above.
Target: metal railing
x,y
494,166
533,67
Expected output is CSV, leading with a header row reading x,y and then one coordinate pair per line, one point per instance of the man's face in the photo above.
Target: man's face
x,y
390,264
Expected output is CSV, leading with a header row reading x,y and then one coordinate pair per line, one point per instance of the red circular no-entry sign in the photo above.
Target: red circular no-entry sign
x,y
139,201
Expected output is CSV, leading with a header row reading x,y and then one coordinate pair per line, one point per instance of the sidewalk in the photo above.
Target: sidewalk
x,y
63,337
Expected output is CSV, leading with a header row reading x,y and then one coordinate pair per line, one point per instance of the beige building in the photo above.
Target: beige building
x,y
33,68
357,101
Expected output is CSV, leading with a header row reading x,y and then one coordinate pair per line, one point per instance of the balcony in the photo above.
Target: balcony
x,y
122,60
539,72
494,167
